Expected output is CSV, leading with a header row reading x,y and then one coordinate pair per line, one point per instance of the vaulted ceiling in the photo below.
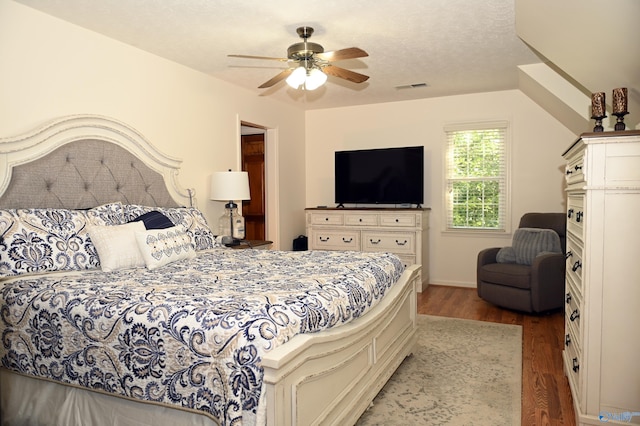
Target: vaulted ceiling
x,y
417,49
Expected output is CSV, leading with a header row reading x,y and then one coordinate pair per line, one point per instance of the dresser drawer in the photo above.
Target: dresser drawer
x,y
574,261
407,260
574,171
398,219
572,337
327,218
573,304
394,242
575,214
572,361
334,240
351,219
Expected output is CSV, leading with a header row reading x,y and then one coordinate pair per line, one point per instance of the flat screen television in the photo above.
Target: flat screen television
x,y
380,176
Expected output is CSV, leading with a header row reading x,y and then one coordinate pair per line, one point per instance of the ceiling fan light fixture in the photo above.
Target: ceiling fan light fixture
x,y
311,78
297,77
314,64
315,79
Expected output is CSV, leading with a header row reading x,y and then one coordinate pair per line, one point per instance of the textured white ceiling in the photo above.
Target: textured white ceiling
x,y
455,46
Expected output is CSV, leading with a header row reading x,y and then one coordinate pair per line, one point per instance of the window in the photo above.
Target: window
x,y
476,177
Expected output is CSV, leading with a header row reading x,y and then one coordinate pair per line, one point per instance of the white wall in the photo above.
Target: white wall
x,y
595,42
537,143
50,68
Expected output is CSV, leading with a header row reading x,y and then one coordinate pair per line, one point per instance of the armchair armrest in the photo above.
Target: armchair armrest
x,y
547,281
487,256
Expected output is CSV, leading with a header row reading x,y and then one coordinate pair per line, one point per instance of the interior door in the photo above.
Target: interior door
x,y
253,163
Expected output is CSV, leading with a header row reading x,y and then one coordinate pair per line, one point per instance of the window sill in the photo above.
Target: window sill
x,y
477,233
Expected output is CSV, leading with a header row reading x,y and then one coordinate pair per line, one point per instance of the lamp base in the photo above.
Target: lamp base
x,y
231,223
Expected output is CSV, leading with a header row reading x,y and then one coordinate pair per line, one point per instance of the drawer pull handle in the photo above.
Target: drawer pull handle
x,y
576,365
397,220
576,266
569,171
568,255
401,243
574,315
579,216
570,213
568,298
577,167
360,220
324,240
374,242
326,219
567,339
344,240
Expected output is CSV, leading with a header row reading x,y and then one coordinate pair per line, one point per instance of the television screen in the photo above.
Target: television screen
x,y
380,176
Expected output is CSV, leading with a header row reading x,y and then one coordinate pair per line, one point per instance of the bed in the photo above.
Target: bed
x,y
115,316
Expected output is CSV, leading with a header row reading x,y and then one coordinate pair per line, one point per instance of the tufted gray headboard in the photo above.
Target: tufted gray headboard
x,y
84,161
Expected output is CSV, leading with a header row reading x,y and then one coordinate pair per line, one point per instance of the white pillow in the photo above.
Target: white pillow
x,y
162,246
117,246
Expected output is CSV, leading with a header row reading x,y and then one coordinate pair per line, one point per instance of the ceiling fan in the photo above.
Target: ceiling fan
x,y
310,64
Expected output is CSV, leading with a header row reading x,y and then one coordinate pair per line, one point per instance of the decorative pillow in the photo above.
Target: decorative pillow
x,y
529,242
163,246
506,255
117,246
154,220
190,218
106,214
43,240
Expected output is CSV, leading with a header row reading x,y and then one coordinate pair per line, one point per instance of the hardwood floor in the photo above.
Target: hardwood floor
x,y
546,398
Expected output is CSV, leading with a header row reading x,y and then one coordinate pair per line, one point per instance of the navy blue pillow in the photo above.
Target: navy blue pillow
x,y
154,220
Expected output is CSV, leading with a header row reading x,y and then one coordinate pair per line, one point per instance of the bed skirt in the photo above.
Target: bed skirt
x,y
66,405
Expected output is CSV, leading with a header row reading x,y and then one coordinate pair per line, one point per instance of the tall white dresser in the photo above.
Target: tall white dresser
x,y
400,231
602,313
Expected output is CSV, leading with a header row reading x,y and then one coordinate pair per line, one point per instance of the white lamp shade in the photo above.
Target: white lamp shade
x,y
227,186
297,77
315,79
311,78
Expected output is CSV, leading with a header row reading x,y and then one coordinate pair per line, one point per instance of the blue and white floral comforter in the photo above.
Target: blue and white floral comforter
x,y
191,334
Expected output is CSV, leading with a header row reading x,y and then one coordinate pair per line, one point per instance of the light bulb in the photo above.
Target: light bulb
x,y
297,77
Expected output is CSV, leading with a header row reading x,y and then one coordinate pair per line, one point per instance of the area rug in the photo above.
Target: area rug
x,y
462,372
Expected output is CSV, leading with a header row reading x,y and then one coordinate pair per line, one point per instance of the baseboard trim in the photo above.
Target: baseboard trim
x,y
454,284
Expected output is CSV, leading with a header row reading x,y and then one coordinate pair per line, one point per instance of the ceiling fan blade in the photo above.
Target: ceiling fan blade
x,y
339,55
344,73
281,76
258,57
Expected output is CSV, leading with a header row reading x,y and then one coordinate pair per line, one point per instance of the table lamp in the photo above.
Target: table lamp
x,y
230,186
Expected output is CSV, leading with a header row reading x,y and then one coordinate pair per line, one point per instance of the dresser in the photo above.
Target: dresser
x,y
400,231
602,313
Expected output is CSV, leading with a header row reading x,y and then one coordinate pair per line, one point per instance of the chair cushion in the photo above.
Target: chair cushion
x,y
506,274
529,242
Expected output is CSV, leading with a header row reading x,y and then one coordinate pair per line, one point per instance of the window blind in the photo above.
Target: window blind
x,y
476,176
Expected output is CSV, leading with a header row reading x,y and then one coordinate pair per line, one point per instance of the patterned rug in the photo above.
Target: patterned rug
x,y
462,372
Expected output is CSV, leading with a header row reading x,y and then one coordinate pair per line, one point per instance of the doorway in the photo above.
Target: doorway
x,y
252,148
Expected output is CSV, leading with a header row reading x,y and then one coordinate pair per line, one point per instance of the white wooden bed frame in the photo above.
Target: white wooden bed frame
x,y
329,377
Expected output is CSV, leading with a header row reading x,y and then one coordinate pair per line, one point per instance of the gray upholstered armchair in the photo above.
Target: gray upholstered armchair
x,y
529,275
